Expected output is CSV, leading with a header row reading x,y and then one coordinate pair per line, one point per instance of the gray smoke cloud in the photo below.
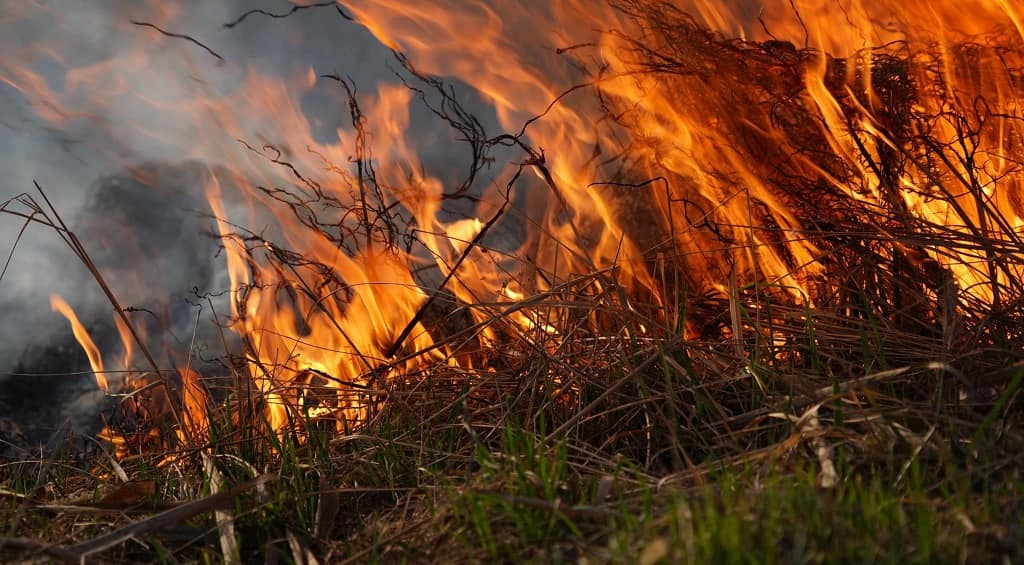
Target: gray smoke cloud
x,y
151,237
125,172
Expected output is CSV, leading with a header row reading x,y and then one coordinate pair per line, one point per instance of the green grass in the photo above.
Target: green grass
x,y
404,492
663,451
788,519
530,508
880,424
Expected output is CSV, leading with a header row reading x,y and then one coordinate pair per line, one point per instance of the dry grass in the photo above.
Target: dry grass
x,y
880,424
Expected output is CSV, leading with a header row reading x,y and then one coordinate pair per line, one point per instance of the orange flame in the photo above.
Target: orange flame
x,y
127,341
195,401
82,336
712,210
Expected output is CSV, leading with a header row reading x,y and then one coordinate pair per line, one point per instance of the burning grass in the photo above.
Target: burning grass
x,y
805,344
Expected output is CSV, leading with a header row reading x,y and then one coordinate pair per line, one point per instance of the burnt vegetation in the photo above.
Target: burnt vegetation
x,y
631,419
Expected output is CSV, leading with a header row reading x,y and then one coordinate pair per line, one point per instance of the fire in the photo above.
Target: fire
x,y
82,336
127,340
195,407
692,128
667,150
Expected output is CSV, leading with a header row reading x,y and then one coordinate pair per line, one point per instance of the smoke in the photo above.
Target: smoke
x,y
148,235
91,108
123,173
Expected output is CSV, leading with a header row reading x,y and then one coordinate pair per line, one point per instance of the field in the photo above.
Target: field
x,y
720,300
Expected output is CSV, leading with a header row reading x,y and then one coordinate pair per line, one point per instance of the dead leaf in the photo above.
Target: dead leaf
x,y
128,495
655,551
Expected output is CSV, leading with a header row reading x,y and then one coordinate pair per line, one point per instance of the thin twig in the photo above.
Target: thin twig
x,y
180,36
294,9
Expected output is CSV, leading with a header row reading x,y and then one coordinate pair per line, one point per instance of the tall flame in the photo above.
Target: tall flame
x,y
651,139
698,132
195,406
58,304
